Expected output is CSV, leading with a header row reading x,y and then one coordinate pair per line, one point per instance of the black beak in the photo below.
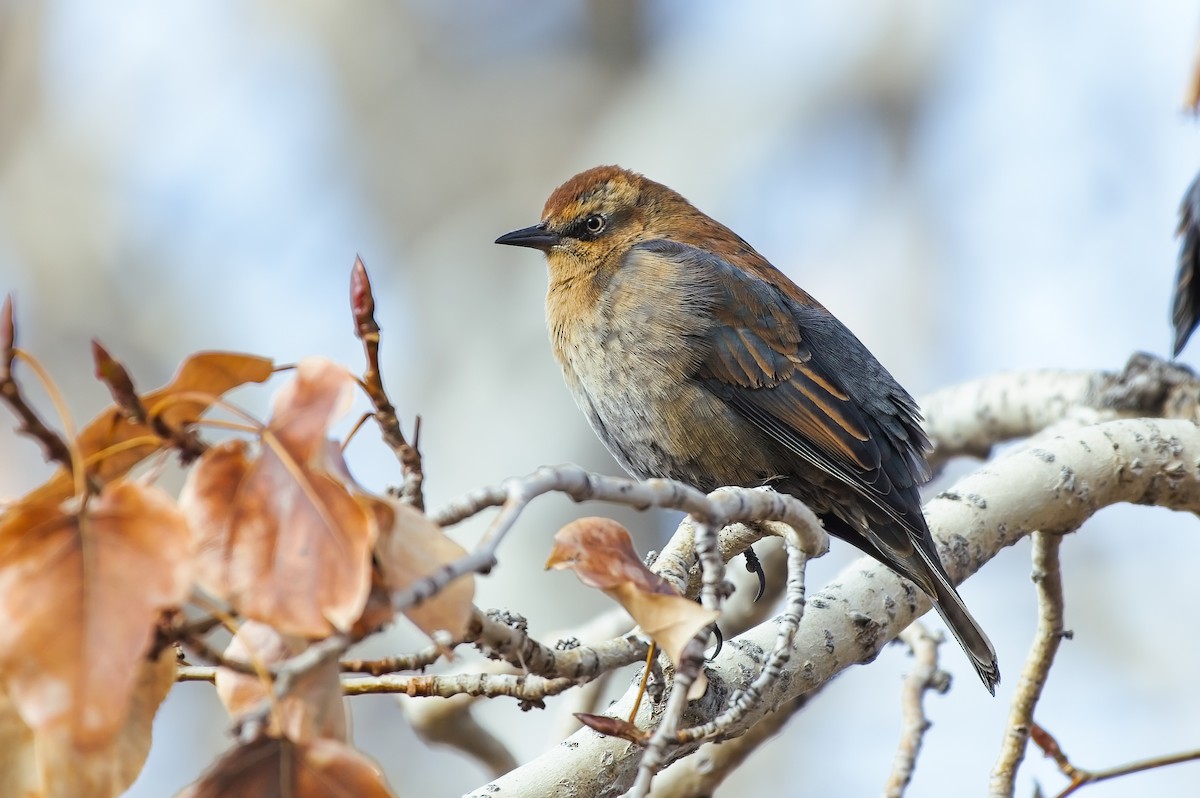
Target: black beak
x,y
536,237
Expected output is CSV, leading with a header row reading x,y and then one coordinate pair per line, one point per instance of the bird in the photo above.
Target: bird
x,y
1186,300
695,359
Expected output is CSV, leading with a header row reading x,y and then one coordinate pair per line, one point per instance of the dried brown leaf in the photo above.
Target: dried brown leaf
x,y
279,768
81,594
211,373
411,547
18,754
70,772
313,706
279,537
601,553
670,620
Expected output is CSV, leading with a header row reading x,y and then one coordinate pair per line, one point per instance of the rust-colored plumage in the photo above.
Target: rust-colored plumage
x,y
696,359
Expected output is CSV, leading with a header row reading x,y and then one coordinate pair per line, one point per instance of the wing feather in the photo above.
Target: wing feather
x,y
796,373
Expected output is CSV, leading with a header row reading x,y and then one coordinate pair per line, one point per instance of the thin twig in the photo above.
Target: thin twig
x,y
410,662
1080,777
1047,576
110,371
513,644
217,658
287,673
362,305
1094,776
924,676
196,673
530,690
55,449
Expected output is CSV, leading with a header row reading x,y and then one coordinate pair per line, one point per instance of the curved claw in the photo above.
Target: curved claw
x,y
716,630
755,567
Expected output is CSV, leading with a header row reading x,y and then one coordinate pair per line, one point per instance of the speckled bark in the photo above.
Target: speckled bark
x,y
1053,486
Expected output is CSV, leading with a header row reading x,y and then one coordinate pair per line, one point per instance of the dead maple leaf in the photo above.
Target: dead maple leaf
x,y
411,547
272,766
80,594
278,536
204,377
601,553
313,706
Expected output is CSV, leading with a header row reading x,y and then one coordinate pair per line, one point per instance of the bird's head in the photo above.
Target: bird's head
x,y
594,218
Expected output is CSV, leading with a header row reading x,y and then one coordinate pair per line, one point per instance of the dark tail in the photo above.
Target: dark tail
x,y
966,629
914,556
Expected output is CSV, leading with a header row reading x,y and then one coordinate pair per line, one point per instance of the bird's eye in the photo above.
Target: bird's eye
x,y
595,223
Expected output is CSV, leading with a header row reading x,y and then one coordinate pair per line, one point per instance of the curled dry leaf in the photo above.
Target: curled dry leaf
x,y
203,378
313,706
272,766
601,553
411,547
278,536
80,594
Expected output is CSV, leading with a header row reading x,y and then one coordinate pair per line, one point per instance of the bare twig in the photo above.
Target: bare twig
x,y
411,662
362,305
54,448
205,651
450,722
582,663
528,689
614,623
1047,576
924,676
1080,777
196,673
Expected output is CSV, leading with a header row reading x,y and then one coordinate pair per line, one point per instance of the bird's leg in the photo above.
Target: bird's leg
x,y
637,702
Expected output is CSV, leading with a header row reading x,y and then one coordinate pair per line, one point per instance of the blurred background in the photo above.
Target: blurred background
x,y
970,186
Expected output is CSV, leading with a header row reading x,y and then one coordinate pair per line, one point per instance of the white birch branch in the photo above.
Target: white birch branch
x,y
972,418
1052,487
